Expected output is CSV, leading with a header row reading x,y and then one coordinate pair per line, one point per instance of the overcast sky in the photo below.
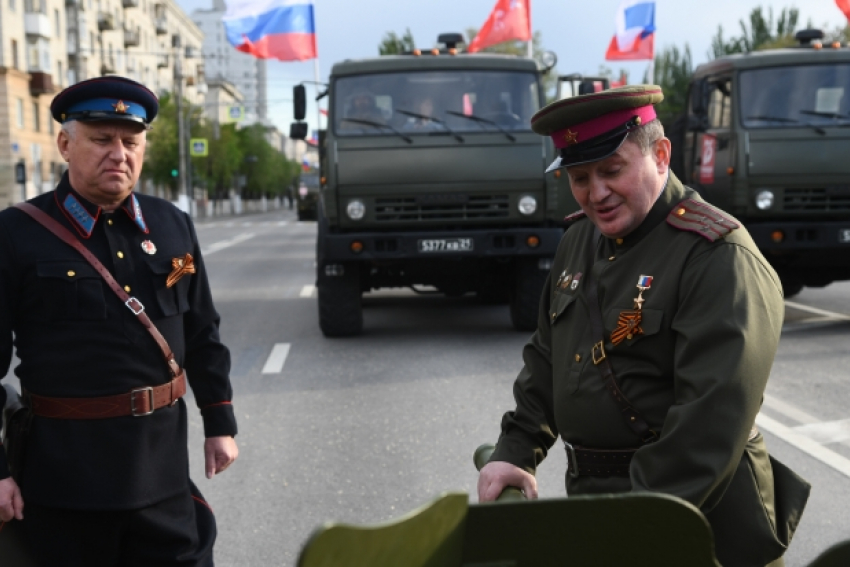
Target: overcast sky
x,y
578,31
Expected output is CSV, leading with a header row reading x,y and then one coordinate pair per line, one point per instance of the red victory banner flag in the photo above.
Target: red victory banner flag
x,y
844,6
510,19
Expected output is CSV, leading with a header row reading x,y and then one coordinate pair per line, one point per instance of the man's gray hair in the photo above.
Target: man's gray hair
x,y
70,128
647,135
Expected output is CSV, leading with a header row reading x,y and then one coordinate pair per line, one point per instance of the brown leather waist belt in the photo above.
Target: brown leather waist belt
x,y
137,402
583,461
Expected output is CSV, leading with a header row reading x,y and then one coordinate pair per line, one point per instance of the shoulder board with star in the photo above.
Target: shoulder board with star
x,y
695,216
578,215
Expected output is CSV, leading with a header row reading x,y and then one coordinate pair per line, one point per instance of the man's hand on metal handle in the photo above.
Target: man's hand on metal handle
x,y
219,453
11,503
498,475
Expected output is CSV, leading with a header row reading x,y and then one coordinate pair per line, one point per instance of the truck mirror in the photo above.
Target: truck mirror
x,y
586,87
298,130
299,101
699,97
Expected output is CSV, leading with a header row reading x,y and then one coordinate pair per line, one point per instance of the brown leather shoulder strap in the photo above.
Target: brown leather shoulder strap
x,y
633,417
132,303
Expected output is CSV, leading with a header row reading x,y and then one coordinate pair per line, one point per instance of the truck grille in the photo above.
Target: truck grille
x,y
819,199
442,207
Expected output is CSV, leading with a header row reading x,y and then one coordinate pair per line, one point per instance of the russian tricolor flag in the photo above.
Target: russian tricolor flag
x,y
635,37
279,29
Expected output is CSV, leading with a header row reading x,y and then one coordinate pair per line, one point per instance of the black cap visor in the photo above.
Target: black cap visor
x,y
99,116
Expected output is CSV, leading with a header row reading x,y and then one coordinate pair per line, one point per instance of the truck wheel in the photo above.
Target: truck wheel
x,y
790,286
340,302
525,299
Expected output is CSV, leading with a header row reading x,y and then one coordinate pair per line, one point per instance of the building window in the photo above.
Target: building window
x,y
20,113
58,22
15,54
36,119
59,74
12,5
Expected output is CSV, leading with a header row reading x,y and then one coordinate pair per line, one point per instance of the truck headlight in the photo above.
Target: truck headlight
x,y
764,199
527,205
355,209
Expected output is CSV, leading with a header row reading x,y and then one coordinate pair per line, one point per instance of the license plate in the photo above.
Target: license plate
x,y
445,245
844,235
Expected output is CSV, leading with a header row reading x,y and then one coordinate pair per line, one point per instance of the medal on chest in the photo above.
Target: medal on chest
x,y
628,324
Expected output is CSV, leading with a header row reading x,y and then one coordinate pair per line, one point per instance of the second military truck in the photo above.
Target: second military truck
x,y
431,176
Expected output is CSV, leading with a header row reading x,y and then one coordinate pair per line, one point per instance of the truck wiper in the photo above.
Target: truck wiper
x,y
817,129
482,120
377,125
834,115
432,119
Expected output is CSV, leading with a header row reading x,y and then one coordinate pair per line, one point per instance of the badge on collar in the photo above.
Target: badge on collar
x,y
628,324
576,280
148,247
563,280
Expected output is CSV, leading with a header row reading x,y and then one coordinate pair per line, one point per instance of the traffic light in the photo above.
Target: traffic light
x,y
174,173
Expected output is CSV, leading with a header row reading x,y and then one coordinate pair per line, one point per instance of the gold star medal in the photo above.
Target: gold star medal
x,y
120,107
628,324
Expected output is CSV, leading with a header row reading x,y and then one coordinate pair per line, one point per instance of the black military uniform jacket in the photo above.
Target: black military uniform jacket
x,y
75,338
697,370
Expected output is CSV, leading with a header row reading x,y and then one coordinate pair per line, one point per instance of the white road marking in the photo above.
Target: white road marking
x,y
826,432
217,246
808,446
307,291
816,311
277,358
788,410
282,223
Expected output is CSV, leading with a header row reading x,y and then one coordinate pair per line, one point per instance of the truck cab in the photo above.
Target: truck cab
x,y
765,138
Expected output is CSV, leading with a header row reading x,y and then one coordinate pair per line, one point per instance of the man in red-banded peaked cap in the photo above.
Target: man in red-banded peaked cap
x,y
657,330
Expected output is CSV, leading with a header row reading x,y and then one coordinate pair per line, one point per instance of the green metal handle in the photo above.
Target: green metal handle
x,y
480,458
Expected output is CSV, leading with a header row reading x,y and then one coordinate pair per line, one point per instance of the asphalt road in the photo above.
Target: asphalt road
x,y
366,429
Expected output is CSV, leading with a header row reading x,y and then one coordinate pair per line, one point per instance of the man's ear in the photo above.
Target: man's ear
x,y
62,142
661,153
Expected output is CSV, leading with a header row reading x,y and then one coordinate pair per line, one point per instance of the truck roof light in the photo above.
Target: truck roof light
x,y
417,52
836,44
452,50
435,51
817,45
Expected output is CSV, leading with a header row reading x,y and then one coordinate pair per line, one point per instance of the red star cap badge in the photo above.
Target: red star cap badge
x,y
571,137
120,107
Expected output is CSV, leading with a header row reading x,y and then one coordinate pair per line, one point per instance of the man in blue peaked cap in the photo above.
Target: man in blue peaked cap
x,y
105,480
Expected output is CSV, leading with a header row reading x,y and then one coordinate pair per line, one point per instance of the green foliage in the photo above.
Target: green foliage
x,y
392,44
161,155
672,72
267,171
761,33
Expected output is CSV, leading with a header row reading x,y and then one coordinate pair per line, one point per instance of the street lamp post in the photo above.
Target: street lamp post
x,y
183,178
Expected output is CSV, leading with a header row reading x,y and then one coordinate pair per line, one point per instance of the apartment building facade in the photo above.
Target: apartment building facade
x,y
46,45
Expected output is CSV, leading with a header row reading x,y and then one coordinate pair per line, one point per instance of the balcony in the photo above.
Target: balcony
x,y
162,61
108,66
105,22
131,38
78,4
38,25
130,3
40,83
161,26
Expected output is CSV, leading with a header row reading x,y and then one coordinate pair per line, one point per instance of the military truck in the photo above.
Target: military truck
x,y
431,176
765,138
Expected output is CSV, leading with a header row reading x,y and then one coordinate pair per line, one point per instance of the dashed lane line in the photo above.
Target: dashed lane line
x,y
307,291
277,358
218,246
816,311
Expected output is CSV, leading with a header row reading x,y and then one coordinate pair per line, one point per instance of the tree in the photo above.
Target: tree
x,y
761,33
672,72
161,155
392,44
267,171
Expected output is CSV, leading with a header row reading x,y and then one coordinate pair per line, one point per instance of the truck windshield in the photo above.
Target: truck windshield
x,y
434,103
801,95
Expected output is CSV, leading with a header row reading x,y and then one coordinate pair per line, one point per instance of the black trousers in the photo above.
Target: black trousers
x,y
177,532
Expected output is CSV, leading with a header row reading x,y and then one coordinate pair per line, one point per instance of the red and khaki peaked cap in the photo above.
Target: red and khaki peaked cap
x,y
591,127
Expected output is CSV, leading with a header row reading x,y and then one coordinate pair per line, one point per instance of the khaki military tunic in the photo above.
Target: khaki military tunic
x,y
697,372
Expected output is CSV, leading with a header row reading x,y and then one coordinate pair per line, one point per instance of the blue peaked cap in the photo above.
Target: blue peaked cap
x,y
105,98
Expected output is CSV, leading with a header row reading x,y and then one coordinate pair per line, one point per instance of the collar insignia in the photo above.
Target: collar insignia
x,y
120,107
79,214
134,211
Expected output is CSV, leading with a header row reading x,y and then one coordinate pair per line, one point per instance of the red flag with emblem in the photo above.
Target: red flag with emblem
x,y
844,6
510,19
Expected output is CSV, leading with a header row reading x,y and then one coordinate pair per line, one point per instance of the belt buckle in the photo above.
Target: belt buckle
x,y
572,462
602,356
135,306
149,390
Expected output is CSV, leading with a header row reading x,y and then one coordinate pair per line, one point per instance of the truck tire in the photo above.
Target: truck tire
x,y
791,286
525,299
340,302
